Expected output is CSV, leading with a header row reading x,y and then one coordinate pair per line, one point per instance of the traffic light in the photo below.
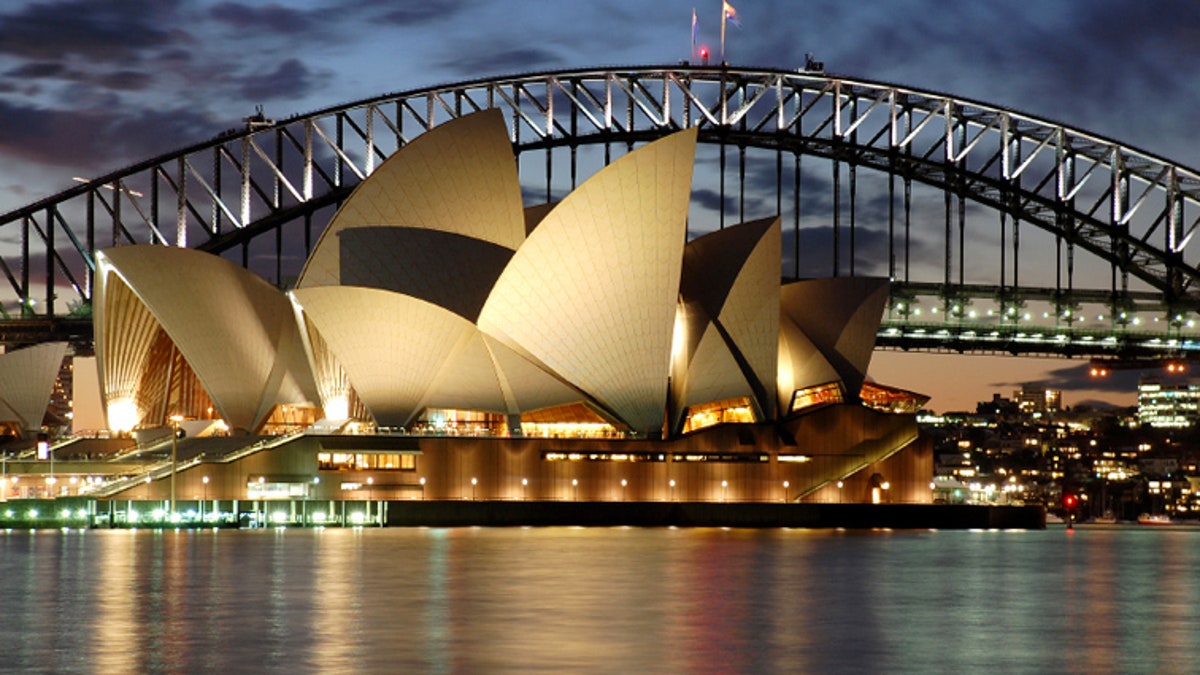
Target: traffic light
x,y
1069,502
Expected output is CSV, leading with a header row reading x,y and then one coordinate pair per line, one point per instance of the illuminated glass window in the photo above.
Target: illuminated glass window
x,y
730,411
720,457
366,461
567,421
822,394
890,399
455,422
604,456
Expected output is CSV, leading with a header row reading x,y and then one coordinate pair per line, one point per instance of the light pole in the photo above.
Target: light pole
x,y
205,481
839,486
785,489
724,485
623,484
422,488
672,484
175,420
524,488
474,482
575,488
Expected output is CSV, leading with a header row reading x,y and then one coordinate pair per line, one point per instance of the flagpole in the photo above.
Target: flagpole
x,y
722,32
693,56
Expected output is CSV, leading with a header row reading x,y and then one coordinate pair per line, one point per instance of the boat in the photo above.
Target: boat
x,y
1107,519
1154,519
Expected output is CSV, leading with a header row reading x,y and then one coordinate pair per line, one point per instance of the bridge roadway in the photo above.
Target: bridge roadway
x,y
1128,345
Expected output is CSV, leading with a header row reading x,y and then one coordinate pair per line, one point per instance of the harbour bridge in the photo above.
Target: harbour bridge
x,y
1002,232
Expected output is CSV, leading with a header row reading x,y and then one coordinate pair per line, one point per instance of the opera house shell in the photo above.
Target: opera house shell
x,y
436,306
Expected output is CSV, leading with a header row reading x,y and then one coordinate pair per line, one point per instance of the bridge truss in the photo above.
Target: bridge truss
x,y
1002,232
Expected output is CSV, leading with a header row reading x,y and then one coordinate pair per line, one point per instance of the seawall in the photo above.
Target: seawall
x,y
705,514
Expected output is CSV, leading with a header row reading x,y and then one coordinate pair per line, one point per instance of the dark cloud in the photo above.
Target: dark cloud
x,y
107,31
515,59
418,13
1078,377
252,18
95,139
711,200
37,69
290,79
126,80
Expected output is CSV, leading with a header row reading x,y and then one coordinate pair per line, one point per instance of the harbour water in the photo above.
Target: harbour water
x,y
1119,599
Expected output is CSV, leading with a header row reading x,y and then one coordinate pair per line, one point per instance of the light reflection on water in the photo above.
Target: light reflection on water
x,y
599,600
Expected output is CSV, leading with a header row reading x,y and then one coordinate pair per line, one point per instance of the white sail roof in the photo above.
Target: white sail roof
x,y
459,177
234,329
592,291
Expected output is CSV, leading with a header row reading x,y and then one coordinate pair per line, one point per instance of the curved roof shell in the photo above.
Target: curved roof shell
x,y
837,319
403,354
235,330
459,177
592,292
730,288
27,378
444,268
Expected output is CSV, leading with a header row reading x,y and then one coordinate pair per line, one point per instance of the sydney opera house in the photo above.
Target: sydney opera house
x,y
445,341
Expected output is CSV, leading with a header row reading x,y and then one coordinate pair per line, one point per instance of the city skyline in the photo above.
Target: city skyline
x,y
88,87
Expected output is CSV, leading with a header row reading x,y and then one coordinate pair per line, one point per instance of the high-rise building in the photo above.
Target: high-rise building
x,y
1036,398
1168,404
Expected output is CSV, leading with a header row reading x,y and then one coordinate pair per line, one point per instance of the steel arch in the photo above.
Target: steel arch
x,y
1134,210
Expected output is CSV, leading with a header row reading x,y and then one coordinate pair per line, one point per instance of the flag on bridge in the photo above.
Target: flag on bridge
x,y
695,33
728,13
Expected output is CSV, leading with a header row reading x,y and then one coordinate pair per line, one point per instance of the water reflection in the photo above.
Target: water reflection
x,y
613,600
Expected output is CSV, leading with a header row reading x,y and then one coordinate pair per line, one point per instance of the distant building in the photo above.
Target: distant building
x,y
1170,405
1036,398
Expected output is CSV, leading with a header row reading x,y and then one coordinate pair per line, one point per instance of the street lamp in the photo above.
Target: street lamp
x,y
422,488
474,482
839,486
205,481
623,484
724,485
524,488
175,420
786,485
672,484
575,488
